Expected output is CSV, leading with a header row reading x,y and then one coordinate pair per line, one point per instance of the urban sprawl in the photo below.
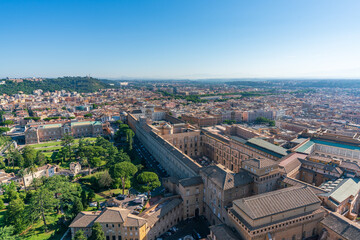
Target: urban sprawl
x,y
181,160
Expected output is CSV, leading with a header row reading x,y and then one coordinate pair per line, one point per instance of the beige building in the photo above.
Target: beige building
x,y
230,150
120,224
51,132
221,187
288,214
191,191
172,159
342,196
183,136
117,224
265,173
47,170
336,227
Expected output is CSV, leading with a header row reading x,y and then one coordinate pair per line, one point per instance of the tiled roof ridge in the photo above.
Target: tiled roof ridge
x,y
273,193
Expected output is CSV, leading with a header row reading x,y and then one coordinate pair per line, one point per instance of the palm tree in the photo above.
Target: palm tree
x,y
22,173
32,170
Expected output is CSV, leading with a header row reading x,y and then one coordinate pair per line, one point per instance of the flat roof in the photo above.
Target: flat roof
x,y
51,125
267,147
305,147
344,189
85,123
334,144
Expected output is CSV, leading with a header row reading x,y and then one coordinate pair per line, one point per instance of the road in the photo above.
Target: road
x,y
150,163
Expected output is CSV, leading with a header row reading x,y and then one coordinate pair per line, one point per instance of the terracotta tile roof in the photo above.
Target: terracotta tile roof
x,y
109,215
113,214
84,219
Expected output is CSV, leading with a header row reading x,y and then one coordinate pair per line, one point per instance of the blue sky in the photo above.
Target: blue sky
x,y
180,38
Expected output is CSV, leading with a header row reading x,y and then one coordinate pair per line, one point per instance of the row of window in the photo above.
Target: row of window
x,y
274,227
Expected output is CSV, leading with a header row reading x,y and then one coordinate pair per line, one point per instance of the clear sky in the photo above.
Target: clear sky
x,y
180,38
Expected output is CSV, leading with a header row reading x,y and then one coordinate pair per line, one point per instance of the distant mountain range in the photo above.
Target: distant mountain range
x,y
73,84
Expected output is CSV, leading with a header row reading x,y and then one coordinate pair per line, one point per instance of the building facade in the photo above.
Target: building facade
x,y
51,132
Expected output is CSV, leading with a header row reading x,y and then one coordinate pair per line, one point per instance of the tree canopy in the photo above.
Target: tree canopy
x,y
148,181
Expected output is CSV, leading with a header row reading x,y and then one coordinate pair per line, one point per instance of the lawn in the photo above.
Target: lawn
x,y
49,149
52,155
46,144
58,143
37,231
114,191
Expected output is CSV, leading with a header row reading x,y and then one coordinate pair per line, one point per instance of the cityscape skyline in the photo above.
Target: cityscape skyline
x,y
181,39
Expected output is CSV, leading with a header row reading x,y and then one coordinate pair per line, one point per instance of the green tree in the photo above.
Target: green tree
x,y
79,235
65,192
96,232
42,204
120,156
4,130
78,207
105,180
16,158
10,191
95,162
118,122
7,233
40,159
15,214
2,205
123,171
85,162
29,155
66,142
91,195
129,137
7,122
84,199
148,181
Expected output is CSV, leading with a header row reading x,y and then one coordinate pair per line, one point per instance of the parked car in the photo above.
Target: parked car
x,y
121,197
196,235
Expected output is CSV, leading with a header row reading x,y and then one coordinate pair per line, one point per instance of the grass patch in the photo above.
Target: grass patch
x,y
51,155
37,231
99,198
46,144
114,191
58,143
49,149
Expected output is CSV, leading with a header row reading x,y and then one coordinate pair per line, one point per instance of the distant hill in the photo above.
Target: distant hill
x,y
73,84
